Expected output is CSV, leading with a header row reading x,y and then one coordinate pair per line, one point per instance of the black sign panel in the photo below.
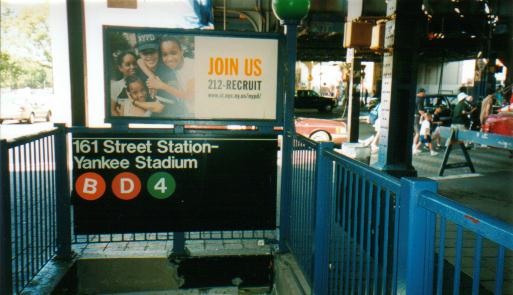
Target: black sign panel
x,y
139,183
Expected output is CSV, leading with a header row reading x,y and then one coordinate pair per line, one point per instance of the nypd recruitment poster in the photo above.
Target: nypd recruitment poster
x,y
169,74
123,183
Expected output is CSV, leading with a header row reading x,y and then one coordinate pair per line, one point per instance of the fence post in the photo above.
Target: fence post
x,y
179,241
287,149
323,179
5,222
287,152
416,239
63,194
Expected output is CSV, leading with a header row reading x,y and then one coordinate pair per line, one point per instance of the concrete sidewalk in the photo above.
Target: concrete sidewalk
x,y
489,190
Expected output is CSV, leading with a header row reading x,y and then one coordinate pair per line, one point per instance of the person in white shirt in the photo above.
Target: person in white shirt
x,y
425,135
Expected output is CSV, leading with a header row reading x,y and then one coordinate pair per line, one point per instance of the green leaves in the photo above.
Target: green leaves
x,y
26,59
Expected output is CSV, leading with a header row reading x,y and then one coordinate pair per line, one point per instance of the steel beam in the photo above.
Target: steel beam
x,y
75,10
288,132
354,11
402,40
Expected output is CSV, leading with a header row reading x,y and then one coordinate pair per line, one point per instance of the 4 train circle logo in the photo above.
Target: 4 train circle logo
x,y
126,186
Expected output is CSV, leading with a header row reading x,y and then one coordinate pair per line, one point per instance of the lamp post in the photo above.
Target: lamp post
x,y
289,12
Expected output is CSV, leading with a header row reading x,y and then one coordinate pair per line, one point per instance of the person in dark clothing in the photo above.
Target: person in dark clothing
x,y
462,110
419,114
150,68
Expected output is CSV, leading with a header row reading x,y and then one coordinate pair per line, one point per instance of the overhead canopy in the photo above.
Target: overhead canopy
x,y
453,29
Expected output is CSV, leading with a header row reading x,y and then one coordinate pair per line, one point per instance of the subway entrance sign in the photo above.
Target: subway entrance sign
x,y
142,182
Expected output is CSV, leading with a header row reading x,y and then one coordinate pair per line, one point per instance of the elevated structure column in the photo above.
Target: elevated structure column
x,y
354,11
398,89
509,57
355,85
77,61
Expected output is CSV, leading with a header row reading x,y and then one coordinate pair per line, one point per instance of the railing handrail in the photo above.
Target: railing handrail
x,y
35,222
389,182
17,141
311,143
416,208
489,139
5,222
489,227
168,131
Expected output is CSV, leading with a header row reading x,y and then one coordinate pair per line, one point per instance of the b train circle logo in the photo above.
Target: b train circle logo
x,y
125,186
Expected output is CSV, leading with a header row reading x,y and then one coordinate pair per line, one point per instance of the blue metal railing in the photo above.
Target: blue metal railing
x,y
356,230
348,224
343,224
363,228
35,217
33,206
484,228
169,236
449,268
302,204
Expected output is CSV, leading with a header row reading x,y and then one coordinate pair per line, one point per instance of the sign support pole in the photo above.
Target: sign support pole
x,y
290,14
179,248
288,132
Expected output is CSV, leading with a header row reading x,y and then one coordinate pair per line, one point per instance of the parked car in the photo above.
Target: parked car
x,y
445,101
309,99
23,110
501,123
322,129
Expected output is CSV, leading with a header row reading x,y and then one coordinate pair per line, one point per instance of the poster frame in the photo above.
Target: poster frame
x,y
123,120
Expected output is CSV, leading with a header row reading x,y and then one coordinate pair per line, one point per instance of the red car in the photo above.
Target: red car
x,y
322,129
315,129
501,123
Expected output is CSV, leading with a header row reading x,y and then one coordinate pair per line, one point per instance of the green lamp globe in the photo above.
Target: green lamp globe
x,y
290,10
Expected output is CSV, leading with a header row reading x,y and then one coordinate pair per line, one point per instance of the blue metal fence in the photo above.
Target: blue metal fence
x,y
363,228
355,230
35,215
34,193
448,270
343,224
266,235
348,225
302,204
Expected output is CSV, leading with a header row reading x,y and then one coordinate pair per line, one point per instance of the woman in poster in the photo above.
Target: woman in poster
x,y
126,67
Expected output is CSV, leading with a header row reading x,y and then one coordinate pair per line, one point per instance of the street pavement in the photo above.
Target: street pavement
x,y
13,129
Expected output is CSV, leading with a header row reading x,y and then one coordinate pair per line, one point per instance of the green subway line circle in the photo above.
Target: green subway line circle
x,y
161,185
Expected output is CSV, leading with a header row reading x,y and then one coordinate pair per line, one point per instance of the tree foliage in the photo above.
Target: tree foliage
x,y
10,71
25,46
